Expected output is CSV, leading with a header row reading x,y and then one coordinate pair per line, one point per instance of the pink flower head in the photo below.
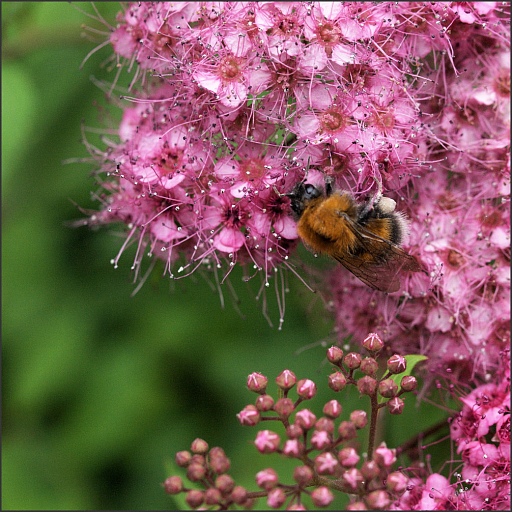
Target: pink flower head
x,y
267,479
385,456
249,415
267,441
240,101
326,464
321,440
305,419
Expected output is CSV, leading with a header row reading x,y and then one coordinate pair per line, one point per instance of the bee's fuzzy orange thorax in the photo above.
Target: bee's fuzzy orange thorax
x,y
321,223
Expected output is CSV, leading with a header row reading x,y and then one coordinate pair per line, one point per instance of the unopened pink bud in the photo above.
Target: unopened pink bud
x,y
396,482
293,448
359,418
388,388
173,485
194,498
267,479
303,475
369,366
322,496
378,500
352,478
239,495
367,385
356,505
212,496
276,498
224,483
320,440
395,405
325,424
384,456
370,469
286,380
267,441
198,459
199,446
196,472
305,419
218,461
347,431
257,382
326,464
334,355
373,343
183,458
306,389
332,409
293,431
352,360
249,416
408,383
284,407
348,457
337,381
396,364
264,403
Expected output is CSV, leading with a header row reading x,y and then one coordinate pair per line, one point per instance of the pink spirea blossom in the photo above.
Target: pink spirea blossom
x,y
482,436
459,209
481,433
240,100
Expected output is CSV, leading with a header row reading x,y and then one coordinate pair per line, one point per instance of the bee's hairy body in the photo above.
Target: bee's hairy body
x,y
364,237
324,223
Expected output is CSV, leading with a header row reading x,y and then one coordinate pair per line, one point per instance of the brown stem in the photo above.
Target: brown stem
x,y
373,424
418,438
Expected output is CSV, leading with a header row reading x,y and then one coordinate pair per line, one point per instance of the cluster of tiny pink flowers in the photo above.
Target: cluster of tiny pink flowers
x,y
325,447
238,100
460,209
481,434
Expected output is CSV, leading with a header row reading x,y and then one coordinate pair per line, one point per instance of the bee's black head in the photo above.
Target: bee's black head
x,y
301,194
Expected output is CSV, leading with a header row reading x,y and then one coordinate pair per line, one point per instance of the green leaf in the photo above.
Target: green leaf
x,y
412,361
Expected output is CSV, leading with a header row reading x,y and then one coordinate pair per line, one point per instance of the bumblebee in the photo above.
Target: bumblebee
x,y
364,237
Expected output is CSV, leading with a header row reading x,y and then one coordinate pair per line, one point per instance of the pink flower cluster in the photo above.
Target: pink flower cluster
x,y
481,433
239,99
460,208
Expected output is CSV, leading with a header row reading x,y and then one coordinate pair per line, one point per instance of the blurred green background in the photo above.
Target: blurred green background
x,y
100,388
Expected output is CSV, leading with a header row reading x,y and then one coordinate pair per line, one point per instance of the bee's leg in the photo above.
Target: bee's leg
x,y
373,201
329,185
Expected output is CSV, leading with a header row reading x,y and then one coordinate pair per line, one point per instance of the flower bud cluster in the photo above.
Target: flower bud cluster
x,y
324,444
386,388
208,468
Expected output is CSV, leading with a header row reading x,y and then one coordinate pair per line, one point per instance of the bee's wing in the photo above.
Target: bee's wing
x,y
382,272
